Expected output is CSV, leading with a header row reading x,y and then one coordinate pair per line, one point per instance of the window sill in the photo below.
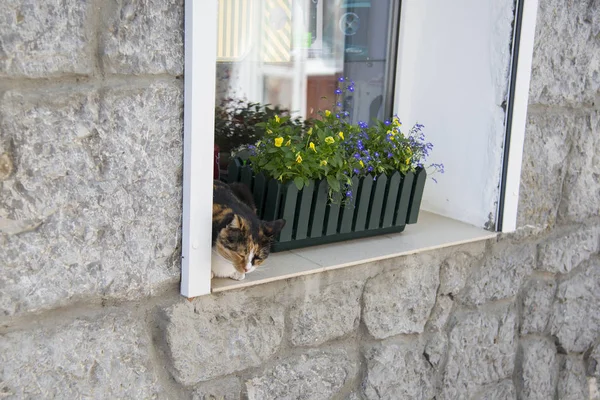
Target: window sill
x,y
431,232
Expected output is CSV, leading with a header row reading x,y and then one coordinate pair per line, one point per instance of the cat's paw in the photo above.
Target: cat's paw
x,y
238,276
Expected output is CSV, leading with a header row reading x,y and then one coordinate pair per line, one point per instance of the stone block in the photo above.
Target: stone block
x,y
143,37
566,57
398,370
45,39
500,275
581,187
228,388
575,318
327,315
538,295
504,390
316,374
100,175
572,383
548,137
539,369
481,350
561,254
218,335
101,357
401,300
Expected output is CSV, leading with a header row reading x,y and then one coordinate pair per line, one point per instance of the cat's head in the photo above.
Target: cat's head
x,y
247,243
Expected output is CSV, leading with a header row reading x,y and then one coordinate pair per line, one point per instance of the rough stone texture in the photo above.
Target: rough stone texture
x,y
218,335
581,188
440,313
400,301
572,384
221,389
594,389
328,315
45,39
566,57
504,390
575,317
500,275
454,272
313,375
105,356
144,36
563,253
539,368
593,362
538,295
481,350
545,152
100,172
435,349
397,371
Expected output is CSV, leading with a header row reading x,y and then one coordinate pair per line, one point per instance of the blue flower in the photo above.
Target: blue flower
x,y
387,122
376,154
356,155
338,104
356,171
351,88
338,91
349,193
341,79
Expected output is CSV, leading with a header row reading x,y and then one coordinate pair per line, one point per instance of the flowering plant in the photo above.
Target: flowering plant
x,y
334,149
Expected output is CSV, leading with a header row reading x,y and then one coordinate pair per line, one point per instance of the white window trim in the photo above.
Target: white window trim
x,y
199,101
519,117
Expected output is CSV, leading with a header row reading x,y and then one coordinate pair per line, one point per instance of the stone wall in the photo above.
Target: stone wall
x,y
90,217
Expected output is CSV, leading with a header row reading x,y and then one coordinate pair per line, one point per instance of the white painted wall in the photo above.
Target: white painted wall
x,y
458,99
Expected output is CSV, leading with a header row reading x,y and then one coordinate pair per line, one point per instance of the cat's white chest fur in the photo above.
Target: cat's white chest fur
x,y
222,268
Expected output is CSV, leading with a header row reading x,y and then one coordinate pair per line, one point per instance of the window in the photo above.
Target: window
x,y
451,68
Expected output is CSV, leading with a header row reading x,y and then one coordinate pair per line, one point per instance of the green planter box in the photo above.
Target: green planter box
x,y
380,206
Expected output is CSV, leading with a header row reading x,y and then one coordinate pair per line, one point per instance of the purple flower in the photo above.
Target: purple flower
x,y
337,116
387,122
338,104
341,79
376,154
370,169
351,88
363,124
338,91
356,171
356,155
349,193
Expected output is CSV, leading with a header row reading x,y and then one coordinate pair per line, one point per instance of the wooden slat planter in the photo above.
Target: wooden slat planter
x,y
379,206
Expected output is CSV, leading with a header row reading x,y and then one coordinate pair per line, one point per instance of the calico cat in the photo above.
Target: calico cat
x,y
240,240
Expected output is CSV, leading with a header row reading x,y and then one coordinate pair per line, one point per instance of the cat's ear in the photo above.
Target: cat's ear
x,y
236,222
272,228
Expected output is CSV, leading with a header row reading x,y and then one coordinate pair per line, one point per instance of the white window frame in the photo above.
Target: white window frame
x,y
199,102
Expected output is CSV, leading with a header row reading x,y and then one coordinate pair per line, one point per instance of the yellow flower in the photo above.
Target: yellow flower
x,y
269,131
396,122
329,140
312,147
362,164
409,151
323,163
327,113
309,132
278,141
280,178
408,161
288,142
341,134
298,158
391,132
277,118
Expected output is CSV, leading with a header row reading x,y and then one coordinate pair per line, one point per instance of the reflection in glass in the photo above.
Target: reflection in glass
x,y
290,53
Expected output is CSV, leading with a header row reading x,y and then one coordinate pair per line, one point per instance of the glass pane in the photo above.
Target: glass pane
x,y
287,55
